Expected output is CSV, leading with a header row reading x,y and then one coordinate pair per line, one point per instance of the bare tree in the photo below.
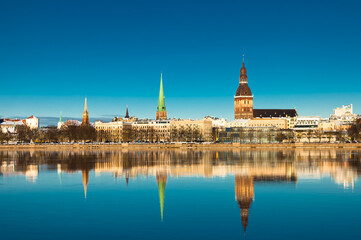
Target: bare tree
x,y
270,134
309,135
280,136
250,135
241,134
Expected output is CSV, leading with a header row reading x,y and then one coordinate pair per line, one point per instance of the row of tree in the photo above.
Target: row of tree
x,y
272,135
180,134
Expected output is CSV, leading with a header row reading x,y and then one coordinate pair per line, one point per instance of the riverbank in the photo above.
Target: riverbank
x,y
178,145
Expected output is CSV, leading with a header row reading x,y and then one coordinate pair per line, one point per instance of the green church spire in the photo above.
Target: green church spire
x,y
60,118
161,104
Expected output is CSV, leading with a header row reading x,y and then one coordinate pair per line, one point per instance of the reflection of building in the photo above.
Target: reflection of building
x,y
244,195
161,110
161,181
85,174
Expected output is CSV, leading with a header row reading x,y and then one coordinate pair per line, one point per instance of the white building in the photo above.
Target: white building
x,y
238,123
217,122
9,125
32,122
307,123
344,114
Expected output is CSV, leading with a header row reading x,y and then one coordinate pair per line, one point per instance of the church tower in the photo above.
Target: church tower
x,y
161,110
243,100
85,114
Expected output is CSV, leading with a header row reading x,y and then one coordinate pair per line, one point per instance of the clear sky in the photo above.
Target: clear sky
x,y
303,54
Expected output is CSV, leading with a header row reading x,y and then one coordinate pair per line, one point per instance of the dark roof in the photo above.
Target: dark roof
x,y
243,90
274,113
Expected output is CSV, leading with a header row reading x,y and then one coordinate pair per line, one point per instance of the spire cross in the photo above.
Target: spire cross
x,y
243,57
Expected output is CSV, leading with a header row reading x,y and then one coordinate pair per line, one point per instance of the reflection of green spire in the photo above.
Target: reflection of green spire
x,y
161,104
161,187
60,175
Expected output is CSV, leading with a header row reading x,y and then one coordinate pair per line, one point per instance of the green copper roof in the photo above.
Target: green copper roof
x,y
161,104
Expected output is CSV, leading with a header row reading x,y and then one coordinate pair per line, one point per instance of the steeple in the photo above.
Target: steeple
x,y
85,105
161,180
161,104
85,114
60,118
127,113
161,110
243,76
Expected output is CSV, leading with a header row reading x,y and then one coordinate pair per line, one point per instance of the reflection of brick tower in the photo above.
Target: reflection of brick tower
x,y
243,100
244,195
85,114
85,174
161,110
162,181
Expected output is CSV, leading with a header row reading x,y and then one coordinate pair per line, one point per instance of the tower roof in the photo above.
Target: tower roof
x,y
127,113
243,88
85,105
161,103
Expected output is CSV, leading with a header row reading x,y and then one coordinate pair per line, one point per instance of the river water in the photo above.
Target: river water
x,y
180,194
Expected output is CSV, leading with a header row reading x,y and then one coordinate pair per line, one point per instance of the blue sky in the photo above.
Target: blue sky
x,y
303,54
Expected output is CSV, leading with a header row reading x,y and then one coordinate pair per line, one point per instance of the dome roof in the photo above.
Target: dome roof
x,y
243,90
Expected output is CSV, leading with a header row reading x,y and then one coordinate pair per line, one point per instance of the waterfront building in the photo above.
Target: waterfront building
x,y
85,114
9,125
277,123
243,104
151,130
187,130
344,113
117,131
238,123
306,123
161,110
216,122
343,117
32,122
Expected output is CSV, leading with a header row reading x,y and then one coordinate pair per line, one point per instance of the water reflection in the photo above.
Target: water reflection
x,y
248,167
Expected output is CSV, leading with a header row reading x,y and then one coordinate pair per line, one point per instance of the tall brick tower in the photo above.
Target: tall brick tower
x,y
85,114
161,110
243,100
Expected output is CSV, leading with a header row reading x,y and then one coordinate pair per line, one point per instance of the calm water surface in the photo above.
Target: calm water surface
x,y
180,194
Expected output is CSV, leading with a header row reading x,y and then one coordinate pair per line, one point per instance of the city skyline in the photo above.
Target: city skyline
x,y
58,57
